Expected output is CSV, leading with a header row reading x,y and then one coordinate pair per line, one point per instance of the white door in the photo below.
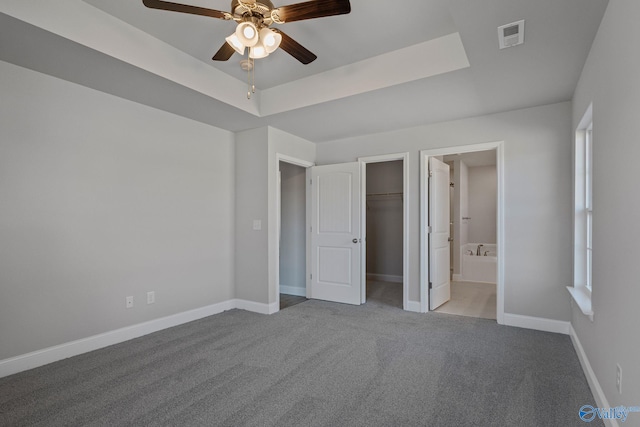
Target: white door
x,y
335,233
439,283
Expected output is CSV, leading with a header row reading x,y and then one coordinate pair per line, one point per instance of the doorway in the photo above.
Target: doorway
x,y
291,272
473,219
385,213
337,184
479,290
384,225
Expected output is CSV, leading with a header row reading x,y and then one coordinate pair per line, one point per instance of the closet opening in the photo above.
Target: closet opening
x,y
292,235
384,213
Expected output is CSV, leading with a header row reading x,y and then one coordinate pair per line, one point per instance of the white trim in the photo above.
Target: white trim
x,y
293,290
500,227
457,277
73,348
582,297
256,307
594,384
293,160
413,306
385,278
405,219
537,323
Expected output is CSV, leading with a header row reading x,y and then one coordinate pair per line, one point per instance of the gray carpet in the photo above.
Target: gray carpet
x,y
313,364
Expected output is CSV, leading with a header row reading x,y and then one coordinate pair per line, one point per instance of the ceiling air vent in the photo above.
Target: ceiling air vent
x,y
511,34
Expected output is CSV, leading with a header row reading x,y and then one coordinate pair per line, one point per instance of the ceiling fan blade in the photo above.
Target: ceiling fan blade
x,y
295,49
224,53
313,9
185,8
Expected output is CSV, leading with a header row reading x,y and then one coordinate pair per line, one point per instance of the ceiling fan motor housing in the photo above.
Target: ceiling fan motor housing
x,y
262,8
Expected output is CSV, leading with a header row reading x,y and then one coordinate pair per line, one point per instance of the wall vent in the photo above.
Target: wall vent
x,y
511,34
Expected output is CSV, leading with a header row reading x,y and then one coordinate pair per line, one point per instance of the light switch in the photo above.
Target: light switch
x,y
257,224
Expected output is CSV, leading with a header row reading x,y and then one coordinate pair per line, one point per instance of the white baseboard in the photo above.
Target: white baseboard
x,y
52,354
384,278
537,323
594,384
413,306
292,290
457,277
48,355
256,307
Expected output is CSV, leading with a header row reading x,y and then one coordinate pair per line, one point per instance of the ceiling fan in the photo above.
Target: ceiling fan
x,y
254,19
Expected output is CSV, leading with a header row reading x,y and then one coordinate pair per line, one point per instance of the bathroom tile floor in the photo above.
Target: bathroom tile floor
x,y
471,299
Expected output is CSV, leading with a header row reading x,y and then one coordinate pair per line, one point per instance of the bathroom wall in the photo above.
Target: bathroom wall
x,y
483,198
461,210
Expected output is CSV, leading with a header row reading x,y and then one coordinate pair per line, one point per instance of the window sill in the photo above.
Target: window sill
x,y
583,299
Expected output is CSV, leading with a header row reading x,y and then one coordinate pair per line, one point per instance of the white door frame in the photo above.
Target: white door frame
x,y
405,221
424,209
305,164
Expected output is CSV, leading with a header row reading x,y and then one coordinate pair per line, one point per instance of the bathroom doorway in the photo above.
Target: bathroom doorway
x,y
473,191
475,230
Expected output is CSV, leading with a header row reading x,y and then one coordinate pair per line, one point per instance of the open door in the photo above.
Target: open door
x,y
336,233
439,279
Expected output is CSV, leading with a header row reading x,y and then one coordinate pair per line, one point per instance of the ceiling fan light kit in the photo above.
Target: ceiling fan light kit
x,y
254,19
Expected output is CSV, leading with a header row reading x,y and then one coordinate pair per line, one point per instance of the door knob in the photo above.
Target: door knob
x,y
355,240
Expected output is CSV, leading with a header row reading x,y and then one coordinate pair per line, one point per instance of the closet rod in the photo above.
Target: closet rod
x,y
385,194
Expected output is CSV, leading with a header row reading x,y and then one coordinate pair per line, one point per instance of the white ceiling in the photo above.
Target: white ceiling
x,y
378,69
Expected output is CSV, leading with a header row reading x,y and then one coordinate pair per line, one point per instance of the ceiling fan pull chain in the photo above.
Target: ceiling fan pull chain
x,y
248,76
253,77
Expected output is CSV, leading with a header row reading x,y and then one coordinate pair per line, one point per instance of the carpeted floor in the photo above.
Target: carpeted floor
x,y
313,364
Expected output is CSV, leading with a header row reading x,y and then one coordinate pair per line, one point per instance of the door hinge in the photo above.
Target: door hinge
x,y
430,285
430,174
310,182
429,229
311,276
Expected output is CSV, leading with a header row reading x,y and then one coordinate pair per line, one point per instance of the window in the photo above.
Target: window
x,y
588,208
583,220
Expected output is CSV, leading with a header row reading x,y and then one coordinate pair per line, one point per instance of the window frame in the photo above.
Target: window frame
x,y
582,288
588,208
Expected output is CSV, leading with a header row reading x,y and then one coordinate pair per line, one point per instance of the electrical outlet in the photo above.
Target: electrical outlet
x,y
619,378
129,303
151,297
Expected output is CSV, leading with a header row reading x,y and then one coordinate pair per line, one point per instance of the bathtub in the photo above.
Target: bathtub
x,y
481,268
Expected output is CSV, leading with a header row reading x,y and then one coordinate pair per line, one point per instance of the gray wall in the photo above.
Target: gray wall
x,y
610,80
104,198
293,217
483,197
251,247
537,212
384,219
256,198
